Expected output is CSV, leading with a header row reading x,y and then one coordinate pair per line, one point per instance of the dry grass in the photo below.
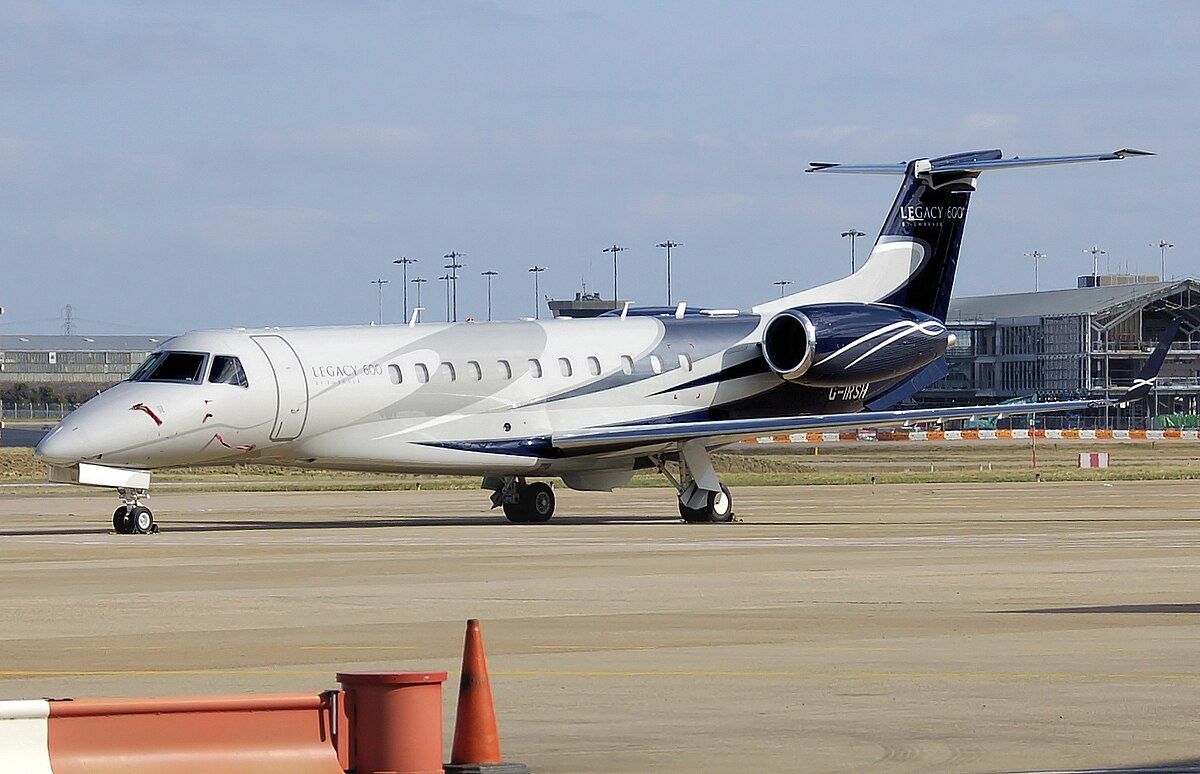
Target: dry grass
x,y
744,466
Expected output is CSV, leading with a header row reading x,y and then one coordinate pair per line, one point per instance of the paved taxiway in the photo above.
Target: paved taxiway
x,y
903,628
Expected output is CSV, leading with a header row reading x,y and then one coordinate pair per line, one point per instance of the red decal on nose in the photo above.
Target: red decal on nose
x,y
149,412
239,447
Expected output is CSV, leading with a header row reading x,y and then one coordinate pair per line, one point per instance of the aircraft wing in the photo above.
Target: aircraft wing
x,y
730,430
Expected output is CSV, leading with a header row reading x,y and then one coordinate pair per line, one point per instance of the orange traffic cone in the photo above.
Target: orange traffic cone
x,y
476,737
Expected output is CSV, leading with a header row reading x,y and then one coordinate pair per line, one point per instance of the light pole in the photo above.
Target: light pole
x,y
1037,256
1096,253
668,245
853,234
454,266
418,281
447,279
380,283
489,274
614,250
537,308
404,262
782,284
1163,246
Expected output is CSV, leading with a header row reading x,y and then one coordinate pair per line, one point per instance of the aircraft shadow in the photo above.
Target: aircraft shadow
x,y
184,527
1186,766
1150,608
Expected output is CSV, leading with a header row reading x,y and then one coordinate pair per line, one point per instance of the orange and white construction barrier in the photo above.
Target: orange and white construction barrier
x,y
379,723
981,435
289,732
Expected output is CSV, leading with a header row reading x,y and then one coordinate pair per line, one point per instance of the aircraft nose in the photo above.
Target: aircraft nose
x,y
65,444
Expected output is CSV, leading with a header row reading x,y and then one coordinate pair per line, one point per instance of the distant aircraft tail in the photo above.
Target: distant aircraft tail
x,y
913,262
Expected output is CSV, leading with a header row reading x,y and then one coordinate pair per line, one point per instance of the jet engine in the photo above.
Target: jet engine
x,y
829,345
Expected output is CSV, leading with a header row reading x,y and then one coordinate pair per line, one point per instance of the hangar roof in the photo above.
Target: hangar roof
x,y
42,343
1048,303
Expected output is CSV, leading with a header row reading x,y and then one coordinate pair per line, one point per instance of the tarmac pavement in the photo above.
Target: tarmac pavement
x,y
895,628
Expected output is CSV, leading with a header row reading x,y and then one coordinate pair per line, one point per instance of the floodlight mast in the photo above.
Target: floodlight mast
x,y
454,266
404,262
668,245
782,286
1163,246
379,283
853,234
1096,253
418,281
537,309
1037,256
489,274
615,249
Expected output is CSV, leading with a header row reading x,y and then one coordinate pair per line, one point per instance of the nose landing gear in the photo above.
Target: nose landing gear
x,y
133,518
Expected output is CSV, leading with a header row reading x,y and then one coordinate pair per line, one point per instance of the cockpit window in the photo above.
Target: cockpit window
x,y
227,369
185,367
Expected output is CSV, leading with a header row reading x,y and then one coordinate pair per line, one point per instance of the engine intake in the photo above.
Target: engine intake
x,y
831,345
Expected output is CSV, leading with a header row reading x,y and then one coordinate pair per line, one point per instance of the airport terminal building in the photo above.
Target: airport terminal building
x,y
1081,342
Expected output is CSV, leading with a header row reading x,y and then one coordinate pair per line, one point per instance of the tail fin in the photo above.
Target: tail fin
x,y
913,262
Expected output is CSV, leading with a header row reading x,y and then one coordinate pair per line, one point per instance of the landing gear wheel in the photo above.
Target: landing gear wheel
x,y
141,521
718,509
533,504
121,521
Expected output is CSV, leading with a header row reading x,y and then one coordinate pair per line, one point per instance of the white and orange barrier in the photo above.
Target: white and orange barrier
x,y
379,723
982,435
260,733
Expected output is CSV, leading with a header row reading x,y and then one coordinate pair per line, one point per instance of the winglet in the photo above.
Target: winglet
x,y
1144,382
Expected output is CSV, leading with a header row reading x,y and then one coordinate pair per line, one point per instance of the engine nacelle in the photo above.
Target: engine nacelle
x,y
830,345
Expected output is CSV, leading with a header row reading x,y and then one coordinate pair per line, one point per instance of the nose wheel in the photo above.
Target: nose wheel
x,y
133,518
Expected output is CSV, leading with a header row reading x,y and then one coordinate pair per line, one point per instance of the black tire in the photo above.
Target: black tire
x,y
718,509
121,520
534,504
540,499
141,521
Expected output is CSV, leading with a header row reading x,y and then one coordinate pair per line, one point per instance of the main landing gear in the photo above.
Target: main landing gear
x,y
702,498
133,518
523,503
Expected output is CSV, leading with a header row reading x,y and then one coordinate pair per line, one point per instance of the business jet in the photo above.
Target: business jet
x,y
587,401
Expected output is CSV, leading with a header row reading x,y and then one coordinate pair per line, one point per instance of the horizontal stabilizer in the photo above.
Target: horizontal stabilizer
x,y
980,161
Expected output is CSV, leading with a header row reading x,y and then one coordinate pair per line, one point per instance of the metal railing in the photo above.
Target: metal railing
x,y
35,411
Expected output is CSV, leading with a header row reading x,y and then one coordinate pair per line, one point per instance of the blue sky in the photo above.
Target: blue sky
x,y
166,166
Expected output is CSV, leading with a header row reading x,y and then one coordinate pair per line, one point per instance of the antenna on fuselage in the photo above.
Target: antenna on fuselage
x,y
416,316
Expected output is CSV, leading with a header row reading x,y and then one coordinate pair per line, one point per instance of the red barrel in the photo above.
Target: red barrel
x,y
395,720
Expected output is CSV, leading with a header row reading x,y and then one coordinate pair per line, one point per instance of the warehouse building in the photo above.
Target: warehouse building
x,y
83,361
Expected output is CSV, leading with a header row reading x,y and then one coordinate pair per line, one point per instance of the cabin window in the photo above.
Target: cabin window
x,y
564,365
627,364
446,372
394,373
422,373
685,362
593,365
505,369
656,364
535,368
227,369
474,370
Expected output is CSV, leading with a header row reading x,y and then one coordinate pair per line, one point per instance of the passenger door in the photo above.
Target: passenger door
x,y
291,387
